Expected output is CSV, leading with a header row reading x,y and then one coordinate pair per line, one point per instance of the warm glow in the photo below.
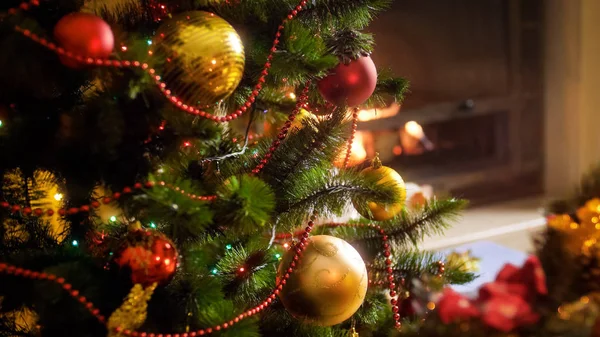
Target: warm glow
x,y
367,115
397,150
213,61
292,95
359,154
414,129
58,197
286,245
242,269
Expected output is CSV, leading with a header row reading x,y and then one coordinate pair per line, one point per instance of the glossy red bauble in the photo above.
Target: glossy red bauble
x,y
351,83
150,257
83,34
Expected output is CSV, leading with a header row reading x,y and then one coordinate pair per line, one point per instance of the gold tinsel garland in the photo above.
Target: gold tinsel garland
x,y
132,313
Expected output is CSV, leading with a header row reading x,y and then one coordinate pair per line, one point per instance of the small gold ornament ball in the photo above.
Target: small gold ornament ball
x,y
379,212
203,57
329,283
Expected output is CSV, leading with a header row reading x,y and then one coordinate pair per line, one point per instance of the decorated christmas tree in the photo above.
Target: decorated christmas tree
x,y
176,168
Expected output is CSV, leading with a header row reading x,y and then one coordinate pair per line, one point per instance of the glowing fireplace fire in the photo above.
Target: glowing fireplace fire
x,y
368,115
415,130
409,140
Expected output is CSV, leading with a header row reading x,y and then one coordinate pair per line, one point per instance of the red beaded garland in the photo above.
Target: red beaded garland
x,y
8,269
284,130
351,139
162,86
4,268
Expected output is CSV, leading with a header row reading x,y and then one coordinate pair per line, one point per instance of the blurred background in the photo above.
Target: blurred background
x,y
502,109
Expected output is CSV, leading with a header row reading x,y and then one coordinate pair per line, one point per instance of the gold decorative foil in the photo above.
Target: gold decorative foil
x,y
132,313
464,261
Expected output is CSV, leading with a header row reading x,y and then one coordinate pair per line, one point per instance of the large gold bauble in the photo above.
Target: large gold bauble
x,y
380,212
203,57
328,285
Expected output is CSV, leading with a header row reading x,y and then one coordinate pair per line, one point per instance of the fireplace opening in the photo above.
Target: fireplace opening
x,y
472,124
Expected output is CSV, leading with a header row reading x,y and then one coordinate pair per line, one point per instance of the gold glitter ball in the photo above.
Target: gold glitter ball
x,y
203,57
328,285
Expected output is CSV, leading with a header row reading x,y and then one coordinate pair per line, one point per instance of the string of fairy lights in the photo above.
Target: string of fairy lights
x,y
299,248
139,186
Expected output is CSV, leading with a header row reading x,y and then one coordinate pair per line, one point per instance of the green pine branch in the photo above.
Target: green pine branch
x,y
354,14
435,216
245,203
348,44
413,264
327,192
317,142
406,229
388,86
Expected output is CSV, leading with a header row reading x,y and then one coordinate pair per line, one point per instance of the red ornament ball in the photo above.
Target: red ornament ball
x,y
351,83
83,34
150,257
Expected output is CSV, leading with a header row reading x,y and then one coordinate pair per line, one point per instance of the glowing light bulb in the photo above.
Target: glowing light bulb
x,y
213,61
149,42
228,247
1,123
113,218
124,48
187,144
58,197
242,269
75,243
215,271
286,245
152,225
278,256
292,95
